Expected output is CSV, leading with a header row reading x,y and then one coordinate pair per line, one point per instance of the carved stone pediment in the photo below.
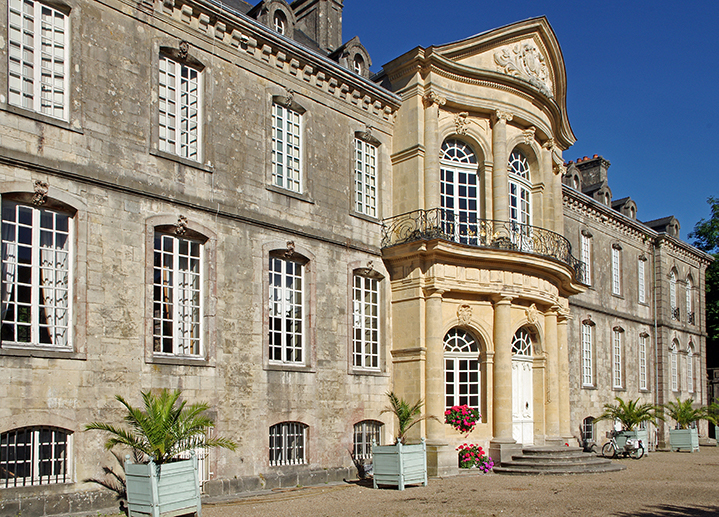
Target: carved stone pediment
x,y
524,60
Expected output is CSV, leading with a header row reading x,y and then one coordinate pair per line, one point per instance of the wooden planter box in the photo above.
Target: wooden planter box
x,y
166,490
686,440
399,465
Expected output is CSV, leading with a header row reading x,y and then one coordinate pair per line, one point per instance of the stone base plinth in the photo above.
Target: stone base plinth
x,y
441,460
502,451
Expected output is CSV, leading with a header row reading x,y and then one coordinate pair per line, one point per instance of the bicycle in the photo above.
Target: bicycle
x,y
633,447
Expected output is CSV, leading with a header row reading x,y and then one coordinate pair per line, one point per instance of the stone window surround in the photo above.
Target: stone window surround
x,y
585,237
284,428
286,98
310,296
365,431
368,137
619,374
167,223
24,191
647,358
356,269
592,359
617,280
642,280
674,377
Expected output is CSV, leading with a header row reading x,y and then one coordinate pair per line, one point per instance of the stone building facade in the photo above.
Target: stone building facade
x,y
639,329
217,197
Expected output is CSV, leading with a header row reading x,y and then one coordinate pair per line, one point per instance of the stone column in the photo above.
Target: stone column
x,y
441,459
432,102
500,189
565,425
502,445
551,406
549,200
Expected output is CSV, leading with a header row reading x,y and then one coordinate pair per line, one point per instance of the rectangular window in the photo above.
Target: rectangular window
x,y
287,444
38,58
587,362
365,317
36,276
286,148
177,309
179,106
287,311
642,281
365,178
617,360
673,357
643,363
616,272
34,456
586,251
690,372
365,433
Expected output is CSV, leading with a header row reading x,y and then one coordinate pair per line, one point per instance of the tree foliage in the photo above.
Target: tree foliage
x,y
407,415
630,414
706,238
684,413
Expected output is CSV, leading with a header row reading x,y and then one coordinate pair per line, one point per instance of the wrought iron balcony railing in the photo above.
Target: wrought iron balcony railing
x,y
690,318
438,223
675,313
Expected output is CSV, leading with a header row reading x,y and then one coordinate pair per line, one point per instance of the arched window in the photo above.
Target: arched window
x,y
588,429
690,368
280,22
522,343
35,456
288,443
459,191
520,204
690,304
461,369
673,295
365,433
358,64
674,365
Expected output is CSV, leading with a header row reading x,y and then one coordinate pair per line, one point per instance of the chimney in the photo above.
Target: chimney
x,y
593,171
321,20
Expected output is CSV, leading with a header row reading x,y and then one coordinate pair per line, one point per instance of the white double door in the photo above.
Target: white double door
x,y
522,400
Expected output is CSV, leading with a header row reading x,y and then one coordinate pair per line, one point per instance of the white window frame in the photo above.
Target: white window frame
x,y
365,322
178,296
364,434
288,292
586,257
643,378
37,260
587,354
461,360
458,173
287,143
365,178
38,65
690,301
690,368
59,442
673,294
288,444
279,21
641,278
616,271
180,109
674,366
617,353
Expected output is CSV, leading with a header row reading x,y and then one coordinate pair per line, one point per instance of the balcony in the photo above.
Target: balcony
x,y
438,223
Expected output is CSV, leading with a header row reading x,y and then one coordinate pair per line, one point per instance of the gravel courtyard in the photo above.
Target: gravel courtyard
x,y
663,484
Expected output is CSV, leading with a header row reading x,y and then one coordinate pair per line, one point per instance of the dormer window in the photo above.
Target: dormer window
x,y
280,22
358,64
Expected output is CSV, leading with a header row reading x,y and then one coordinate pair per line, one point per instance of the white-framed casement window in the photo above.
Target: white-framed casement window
x,y
586,256
179,108
365,322
689,300
365,178
286,148
520,208
674,365
288,443
643,378
178,296
38,57
459,191
35,456
641,279
690,368
286,311
365,433
587,354
617,356
616,270
279,20
462,374
674,308
36,276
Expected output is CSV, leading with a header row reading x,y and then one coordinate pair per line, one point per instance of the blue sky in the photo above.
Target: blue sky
x,y
643,83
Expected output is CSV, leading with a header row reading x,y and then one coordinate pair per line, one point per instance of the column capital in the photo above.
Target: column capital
x,y
433,292
548,145
503,299
432,98
498,115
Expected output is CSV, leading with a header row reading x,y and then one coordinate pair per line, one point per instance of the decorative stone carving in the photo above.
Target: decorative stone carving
x,y
290,97
532,314
524,60
184,48
528,135
40,196
464,314
290,251
431,98
548,145
461,122
181,225
367,135
503,115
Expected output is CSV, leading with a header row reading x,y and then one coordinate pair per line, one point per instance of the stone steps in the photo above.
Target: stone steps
x,y
556,460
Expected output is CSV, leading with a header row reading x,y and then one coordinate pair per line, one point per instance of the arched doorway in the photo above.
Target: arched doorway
x,y
522,392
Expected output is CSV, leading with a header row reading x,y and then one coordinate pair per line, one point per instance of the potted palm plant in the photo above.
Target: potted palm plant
x,y
684,437
631,415
401,464
163,484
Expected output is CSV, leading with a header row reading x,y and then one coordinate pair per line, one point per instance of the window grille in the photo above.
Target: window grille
x,y
365,433
522,343
179,109
286,311
286,148
288,444
366,178
462,369
36,276
365,324
35,456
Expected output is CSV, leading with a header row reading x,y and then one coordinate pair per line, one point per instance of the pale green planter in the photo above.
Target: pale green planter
x,y
166,490
686,440
642,435
399,465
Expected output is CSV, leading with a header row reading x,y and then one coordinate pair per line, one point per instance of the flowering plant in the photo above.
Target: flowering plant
x,y
472,455
463,418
